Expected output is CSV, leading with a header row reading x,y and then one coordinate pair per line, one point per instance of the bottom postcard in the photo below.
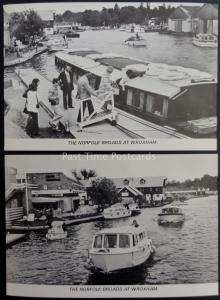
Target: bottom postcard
x,y
111,225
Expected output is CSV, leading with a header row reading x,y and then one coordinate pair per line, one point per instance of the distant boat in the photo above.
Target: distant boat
x,y
116,211
171,215
56,232
119,248
136,41
205,40
72,34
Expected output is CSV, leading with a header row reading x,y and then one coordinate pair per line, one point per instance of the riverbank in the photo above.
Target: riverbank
x,y
11,61
12,239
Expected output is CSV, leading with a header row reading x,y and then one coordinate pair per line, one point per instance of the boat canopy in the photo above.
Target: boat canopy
x,y
154,86
122,230
78,61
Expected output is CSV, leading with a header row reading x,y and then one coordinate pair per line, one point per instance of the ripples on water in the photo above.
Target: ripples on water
x,y
184,254
161,48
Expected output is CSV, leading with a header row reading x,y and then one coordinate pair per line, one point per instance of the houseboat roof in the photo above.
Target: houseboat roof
x,y
123,230
81,51
163,79
152,85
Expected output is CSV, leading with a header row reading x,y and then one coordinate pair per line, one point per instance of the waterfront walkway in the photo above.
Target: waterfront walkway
x,y
12,239
11,62
127,124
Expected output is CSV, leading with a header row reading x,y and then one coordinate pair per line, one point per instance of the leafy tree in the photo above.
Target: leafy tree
x,y
86,174
103,192
25,25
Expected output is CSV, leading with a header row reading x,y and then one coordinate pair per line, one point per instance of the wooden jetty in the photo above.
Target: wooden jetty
x,y
12,239
83,220
25,58
127,125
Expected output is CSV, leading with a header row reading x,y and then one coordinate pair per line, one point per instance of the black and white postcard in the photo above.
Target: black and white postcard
x,y
119,225
110,76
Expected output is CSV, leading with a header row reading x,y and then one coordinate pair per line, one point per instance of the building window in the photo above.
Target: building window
x,y
18,180
52,177
23,180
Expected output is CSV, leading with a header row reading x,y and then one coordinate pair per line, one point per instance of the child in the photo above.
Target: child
x,y
54,99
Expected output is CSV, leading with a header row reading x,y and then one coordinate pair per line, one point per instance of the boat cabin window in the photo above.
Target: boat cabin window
x,y
135,240
110,241
98,241
124,241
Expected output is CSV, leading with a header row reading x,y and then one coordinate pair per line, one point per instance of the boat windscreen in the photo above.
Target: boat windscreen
x,y
98,241
119,62
124,241
84,53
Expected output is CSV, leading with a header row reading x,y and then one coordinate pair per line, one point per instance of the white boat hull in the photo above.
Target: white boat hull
x,y
110,215
171,219
205,44
110,262
56,236
136,43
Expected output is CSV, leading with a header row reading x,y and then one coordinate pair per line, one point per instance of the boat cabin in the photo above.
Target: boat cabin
x,y
121,238
166,95
171,210
169,101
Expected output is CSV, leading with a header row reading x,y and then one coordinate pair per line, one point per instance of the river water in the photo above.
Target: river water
x,y
161,48
185,254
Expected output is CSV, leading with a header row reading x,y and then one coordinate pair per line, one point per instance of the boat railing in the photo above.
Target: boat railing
x,y
103,106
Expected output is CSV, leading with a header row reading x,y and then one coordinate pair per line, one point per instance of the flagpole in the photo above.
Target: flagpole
x,y
26,194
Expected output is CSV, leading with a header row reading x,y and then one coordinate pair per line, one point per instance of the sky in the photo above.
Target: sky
x,y
78,6
174,167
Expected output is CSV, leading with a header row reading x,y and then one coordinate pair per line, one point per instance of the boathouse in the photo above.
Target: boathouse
x,y
55,190
184,20
208,19
151,189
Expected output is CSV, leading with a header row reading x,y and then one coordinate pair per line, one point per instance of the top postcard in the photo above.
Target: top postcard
x,y
110,76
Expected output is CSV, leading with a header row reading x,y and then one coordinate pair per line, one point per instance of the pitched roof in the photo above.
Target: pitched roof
x,y
156,181
131,189
208,12
185,12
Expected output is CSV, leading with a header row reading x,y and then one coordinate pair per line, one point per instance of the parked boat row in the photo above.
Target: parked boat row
x,y
163,94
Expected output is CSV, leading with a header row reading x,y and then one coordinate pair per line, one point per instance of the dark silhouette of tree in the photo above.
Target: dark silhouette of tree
x,y
25,25
103,192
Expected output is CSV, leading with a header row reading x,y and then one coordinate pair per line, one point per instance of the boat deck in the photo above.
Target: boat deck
x,y
127,125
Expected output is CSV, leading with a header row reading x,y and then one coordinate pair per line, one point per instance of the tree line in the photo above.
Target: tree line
x,y
206,181
114,17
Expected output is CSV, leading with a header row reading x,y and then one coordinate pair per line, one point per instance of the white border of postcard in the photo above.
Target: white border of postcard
x,y
121,291
110,145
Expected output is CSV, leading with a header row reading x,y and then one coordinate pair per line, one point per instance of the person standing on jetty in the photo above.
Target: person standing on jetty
x,y
85,91
66,79
31,108
54,99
